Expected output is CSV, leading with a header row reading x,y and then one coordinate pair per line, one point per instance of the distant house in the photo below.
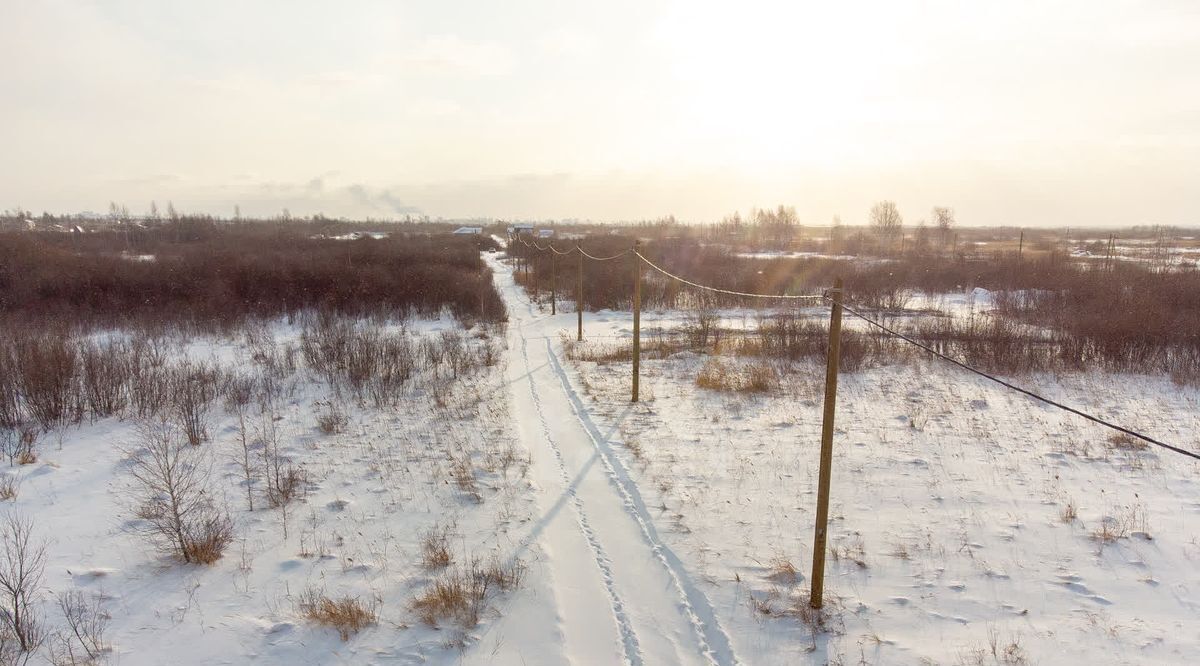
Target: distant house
x,y
467,231
521,229
545,233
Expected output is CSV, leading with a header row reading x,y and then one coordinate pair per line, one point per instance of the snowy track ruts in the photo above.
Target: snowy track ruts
x,y
620,593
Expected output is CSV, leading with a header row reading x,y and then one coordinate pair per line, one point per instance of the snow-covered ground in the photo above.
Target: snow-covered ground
x,y
968,525
373,492
951,512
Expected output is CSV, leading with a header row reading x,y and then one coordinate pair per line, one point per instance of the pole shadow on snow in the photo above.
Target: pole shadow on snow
x,y
544,521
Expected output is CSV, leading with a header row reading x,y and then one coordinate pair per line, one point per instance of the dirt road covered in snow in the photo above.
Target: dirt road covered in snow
x,y
619,595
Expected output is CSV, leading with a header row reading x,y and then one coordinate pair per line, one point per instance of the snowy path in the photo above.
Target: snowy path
x,y
620,596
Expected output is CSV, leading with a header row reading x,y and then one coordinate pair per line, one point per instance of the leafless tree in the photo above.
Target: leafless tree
x,y
886,222
19,445
22,565
82,641
943,219
239,392
171,488
195,386
285,481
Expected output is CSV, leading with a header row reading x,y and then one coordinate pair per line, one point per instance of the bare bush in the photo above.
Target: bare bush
x,y
285,481
19,445
10,396
239,391
331,420
362,359
22,566
149,380
47,367
82,641
106,370
194,386
171,489
218,275
702,326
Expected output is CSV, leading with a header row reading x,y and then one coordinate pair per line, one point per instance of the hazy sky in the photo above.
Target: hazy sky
x,y
1014,112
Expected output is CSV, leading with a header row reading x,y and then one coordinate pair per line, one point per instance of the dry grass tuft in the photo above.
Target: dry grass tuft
x,y
1123,442
8,488
720,375
332,420
783,571
348,615
460,596
435,548
208,542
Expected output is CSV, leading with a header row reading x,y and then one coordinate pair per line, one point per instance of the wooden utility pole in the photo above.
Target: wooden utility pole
x,y
820,537
553,282
537,274
1020,246
579,293
637,316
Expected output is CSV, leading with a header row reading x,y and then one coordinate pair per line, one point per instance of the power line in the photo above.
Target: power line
x,y
890,331
1014,387
615,256
727,291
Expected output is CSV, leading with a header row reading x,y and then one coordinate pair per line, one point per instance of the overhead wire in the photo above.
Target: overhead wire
x,y
1014,387
901,336
729,292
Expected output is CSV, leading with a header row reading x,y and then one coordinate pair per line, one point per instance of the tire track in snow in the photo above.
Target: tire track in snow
x,y
676,625
629,641
715,643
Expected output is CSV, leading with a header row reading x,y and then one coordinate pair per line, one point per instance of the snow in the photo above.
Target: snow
x,y
949,490
964,518
374,490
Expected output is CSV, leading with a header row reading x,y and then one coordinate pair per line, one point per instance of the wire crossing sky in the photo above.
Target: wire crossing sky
x,y
1029,113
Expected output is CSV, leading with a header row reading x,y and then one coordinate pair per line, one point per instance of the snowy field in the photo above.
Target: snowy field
x,y
444,465
968,525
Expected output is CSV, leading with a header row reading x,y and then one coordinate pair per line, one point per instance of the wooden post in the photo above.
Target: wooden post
x,y
1020,246
553,282
831,374
637,317
579,293
537,274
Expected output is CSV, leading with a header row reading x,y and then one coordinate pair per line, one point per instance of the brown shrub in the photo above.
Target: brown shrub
x,y
435,548
459,596
347,615
214,275
721,375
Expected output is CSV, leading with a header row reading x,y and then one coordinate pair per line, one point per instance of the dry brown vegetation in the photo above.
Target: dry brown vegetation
x,y
346,614
213,275
435,548
1051,312
721,375
460,595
